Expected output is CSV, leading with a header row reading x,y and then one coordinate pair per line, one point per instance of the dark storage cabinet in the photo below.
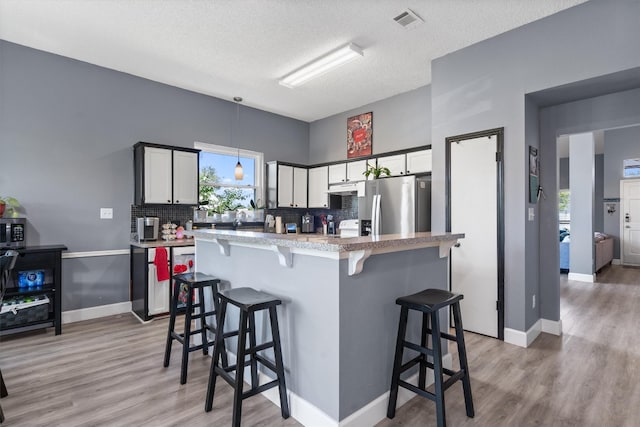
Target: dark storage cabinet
x,y
44,263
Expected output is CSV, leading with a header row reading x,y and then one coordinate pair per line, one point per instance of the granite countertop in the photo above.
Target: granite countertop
x,y
163,243
327,243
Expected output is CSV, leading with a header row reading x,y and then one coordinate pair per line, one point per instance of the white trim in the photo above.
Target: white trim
x,y
579,277
553,327
520,338
616,261
88,254
372,413
79,315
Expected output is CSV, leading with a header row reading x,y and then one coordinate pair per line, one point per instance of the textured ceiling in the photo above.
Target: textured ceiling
x,y
228,48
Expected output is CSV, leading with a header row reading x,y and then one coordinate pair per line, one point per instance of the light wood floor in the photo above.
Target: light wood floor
x,y
108,372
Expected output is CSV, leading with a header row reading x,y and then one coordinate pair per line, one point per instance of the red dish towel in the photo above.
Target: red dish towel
x,y
161,262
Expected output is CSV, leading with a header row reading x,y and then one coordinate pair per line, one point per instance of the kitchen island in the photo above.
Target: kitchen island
x,y
338,320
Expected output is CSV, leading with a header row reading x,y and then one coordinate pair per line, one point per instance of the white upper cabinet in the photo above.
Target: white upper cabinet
x,y
185,178
165,175
419,161
395,164
318,185
356,170
285,186
291,186
157,175
299,187
337,173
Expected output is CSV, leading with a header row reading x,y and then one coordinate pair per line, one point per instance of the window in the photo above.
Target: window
x,y
631,168
564,206
219,190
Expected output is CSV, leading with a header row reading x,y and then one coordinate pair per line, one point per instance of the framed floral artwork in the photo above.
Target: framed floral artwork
x,y
359,135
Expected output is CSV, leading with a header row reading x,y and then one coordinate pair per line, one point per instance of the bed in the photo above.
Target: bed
x,y
603,250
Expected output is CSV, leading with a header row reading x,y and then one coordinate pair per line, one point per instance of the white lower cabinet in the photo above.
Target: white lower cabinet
x,y
158,291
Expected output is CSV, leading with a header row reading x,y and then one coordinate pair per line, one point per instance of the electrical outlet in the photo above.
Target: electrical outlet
x,y
106,213
534,301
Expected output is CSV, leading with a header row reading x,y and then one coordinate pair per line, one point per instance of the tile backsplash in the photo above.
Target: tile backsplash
x,y
177,214
349,210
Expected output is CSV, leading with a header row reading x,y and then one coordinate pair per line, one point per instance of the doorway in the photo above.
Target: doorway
x,y
630,221
475,206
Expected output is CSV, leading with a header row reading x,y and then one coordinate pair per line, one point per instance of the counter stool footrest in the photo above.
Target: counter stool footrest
x,y
260,389
417,390
411,363
415,347
258,348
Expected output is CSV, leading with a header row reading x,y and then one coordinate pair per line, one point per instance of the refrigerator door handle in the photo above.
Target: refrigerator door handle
x,y
375,215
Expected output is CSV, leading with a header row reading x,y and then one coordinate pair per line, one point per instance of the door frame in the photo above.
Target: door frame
x,y
499,134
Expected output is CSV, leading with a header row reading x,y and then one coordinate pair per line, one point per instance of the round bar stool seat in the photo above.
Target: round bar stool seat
x,y
195,283
430,302
248,301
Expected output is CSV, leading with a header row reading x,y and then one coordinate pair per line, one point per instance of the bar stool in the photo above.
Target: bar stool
x,y
193,281
430,302
249,301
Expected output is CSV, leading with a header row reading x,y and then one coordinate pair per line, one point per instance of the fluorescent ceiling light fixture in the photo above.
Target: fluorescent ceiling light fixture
x,y
319,66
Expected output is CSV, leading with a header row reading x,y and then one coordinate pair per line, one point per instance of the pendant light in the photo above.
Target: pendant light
x,y
239,172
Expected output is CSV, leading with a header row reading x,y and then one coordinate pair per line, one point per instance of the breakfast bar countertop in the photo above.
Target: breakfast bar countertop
x,y
162,243
329,243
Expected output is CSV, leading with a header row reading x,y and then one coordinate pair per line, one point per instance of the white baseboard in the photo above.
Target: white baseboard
x,y
372,413
616,261
579,277
72,316
376,410
524,339
553,327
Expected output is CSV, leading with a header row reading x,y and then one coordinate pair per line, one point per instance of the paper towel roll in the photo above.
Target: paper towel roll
x,y
279,224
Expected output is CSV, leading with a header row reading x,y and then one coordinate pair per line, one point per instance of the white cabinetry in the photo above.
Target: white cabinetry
x,y
165,175
356,170
419,161
287,186
318,186
395,164
185,178
157,175
337,173
299,187
158,291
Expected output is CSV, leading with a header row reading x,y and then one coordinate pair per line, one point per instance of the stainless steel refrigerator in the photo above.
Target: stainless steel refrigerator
x,y
397,205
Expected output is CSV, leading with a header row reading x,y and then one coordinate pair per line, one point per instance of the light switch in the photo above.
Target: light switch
x,y
532,214
106,213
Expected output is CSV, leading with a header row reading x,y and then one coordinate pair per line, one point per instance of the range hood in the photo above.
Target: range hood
x,y
348,189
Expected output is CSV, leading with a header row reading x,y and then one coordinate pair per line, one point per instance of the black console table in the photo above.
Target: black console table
x,y
45,263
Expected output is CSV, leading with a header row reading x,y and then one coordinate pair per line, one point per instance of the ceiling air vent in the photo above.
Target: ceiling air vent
x,y
408,19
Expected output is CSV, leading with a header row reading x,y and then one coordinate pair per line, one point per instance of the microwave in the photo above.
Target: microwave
x,y
13,233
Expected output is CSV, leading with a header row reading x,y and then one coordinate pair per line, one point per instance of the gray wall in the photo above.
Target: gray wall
x,y
598,210
602,112
484,86
402,121
581,161
67,129
619,144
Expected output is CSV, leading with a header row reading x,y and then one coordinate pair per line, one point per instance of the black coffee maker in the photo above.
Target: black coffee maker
x,y
308,224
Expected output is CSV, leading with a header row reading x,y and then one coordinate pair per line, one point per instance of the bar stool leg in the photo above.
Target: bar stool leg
x,y
462,356
252,345
397,363
172,323
217,349
422,376
203,321
277,349
187,337
437,369
3,387
237,396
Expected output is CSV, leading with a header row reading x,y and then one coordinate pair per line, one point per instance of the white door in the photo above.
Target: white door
x,y
299,187
630,221
157,175
185,178
474,263
318,185
419,161
285,186
396,164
